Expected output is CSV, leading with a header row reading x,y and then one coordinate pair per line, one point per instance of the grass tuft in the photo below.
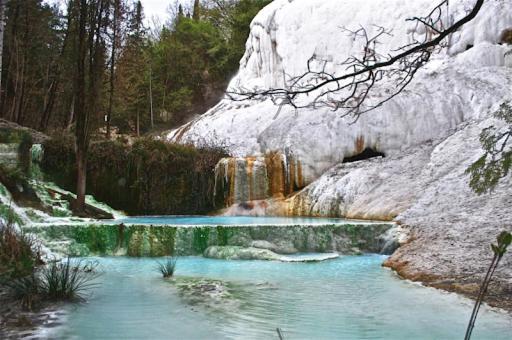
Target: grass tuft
x,y
69,279
168,267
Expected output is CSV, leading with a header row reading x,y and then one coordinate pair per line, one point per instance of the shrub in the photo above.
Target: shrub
x,y
147,178
19,253
168,267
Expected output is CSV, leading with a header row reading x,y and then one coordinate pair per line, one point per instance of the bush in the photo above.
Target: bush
x,y
146,178
168,267
18,252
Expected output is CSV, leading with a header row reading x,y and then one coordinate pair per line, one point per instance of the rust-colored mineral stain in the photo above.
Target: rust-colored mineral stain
x,y
291,176
182,131
275,173
249,171
300,178
359,144
230,199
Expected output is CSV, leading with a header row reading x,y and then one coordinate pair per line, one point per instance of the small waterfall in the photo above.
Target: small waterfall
x,y
36,157
246,179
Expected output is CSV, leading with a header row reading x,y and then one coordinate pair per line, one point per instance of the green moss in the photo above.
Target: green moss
x,y
12,135
144,240
100,239
9,215
223,235
200,240
150,241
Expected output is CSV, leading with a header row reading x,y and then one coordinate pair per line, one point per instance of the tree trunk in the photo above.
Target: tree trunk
x,y
80,110
81,162
138,123
151,95
71,116
55,83
115,37
3,4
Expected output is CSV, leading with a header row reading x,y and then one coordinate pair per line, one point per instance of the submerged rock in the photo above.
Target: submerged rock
x,y
214,295
252,253
280,247
240,253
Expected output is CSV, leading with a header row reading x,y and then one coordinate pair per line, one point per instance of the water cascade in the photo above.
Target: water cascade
x,y
138,239
247,179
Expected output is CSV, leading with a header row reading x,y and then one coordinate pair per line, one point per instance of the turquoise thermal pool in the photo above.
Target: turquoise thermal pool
x,y
351,297
233,220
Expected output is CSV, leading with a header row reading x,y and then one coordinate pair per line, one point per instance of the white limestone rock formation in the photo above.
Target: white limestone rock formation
x,y
460,82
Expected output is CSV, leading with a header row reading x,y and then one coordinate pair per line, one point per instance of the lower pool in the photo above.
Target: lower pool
x,y
351,297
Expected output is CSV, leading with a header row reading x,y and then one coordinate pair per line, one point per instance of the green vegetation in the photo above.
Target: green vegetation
x,y
496,161
485,175
200,239
147,177
28,280
161,75
18,252
168,267
12,135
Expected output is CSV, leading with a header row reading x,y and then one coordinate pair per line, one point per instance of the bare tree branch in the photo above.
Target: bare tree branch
x,y
357,91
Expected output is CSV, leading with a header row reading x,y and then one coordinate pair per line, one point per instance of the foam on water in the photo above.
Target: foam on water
x,y
352,297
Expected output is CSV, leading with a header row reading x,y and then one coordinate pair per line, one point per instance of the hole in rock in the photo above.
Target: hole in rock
x,y
366,154
469,46
506,37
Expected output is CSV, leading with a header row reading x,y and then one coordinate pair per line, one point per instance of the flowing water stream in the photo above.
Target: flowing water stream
x,y
351,297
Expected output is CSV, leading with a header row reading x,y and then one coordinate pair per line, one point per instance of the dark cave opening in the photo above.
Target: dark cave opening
x,y
366,154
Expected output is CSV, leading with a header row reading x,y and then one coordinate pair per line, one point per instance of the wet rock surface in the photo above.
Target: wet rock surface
x,y
252,253
18,323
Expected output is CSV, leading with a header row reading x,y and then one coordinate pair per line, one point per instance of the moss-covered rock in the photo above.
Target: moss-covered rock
x,y
240,253
146,240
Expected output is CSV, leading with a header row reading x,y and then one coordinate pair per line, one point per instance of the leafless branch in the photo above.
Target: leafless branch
x,y
360,89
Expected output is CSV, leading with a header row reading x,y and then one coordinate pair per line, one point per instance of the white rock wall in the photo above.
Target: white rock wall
x,y
456,85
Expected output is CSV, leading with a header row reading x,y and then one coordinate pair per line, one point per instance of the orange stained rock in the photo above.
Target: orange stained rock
x,y
249,171
231,170
275,174
300,178
359,144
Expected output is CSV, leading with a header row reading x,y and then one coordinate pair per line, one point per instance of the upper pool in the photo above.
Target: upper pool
x,y
233,220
